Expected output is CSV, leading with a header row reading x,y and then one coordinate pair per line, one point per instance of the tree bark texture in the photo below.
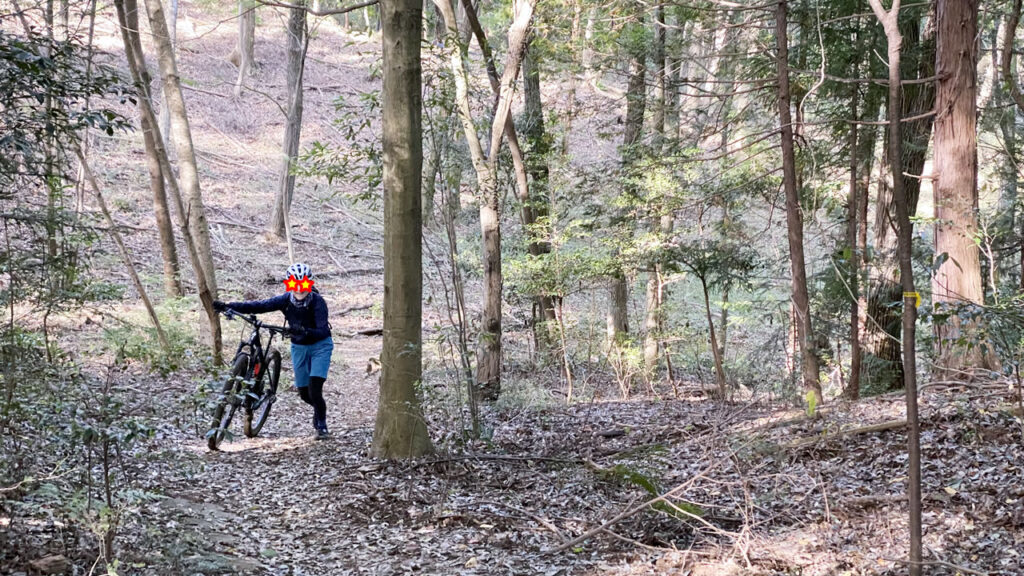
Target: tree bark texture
x,y
400,430
488,370
794,216
958,279
535,205
852,391
297,42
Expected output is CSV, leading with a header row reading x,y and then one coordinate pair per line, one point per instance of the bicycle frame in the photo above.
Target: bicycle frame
x,y
257,352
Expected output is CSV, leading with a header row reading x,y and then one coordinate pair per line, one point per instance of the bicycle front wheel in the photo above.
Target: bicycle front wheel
x,y
228,404
257,417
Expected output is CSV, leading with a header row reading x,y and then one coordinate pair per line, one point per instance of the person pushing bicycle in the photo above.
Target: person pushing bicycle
x,y
305,311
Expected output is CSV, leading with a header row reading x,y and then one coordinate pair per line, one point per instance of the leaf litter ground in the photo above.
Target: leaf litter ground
x,y
761,503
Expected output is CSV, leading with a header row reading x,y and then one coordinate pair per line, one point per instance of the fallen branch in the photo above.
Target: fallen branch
x,y
811,441
633,510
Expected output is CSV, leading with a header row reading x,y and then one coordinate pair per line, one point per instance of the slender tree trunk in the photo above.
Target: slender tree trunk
x,y
636,102
125,256
852,391
127,14
882,331
588,40
297,42
188,172
890,21
652,314
574,72
168,250
400,430
794,216
165,114
246,42
715,353
535,206
958,279
488,374
537,171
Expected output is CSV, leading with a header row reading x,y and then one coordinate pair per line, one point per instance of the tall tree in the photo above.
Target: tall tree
x,y
400,430
530,180
636,103
188,172
488,370
890,22
534,206
794,215
882,330
297,43
958,279
652,316
127,13
168,251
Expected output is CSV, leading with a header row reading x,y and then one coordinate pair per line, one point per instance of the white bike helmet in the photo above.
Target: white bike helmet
x,y
299,270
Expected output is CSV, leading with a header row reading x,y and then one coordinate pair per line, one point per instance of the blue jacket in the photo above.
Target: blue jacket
x,y
311,318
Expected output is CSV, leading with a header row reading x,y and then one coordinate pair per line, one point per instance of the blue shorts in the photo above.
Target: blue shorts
x,y
310,360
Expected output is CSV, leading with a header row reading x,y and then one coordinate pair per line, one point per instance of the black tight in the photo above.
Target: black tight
x,y
314,396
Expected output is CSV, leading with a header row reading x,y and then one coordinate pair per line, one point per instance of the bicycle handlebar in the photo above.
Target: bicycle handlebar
x,y
255,322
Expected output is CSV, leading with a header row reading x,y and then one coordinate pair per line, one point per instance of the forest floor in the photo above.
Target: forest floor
x,y
753,490
755,487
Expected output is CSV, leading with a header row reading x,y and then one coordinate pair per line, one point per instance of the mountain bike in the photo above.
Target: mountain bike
x,y
252,386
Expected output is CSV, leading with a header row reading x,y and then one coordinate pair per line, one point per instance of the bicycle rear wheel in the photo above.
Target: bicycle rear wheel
x,y
257,417
228,404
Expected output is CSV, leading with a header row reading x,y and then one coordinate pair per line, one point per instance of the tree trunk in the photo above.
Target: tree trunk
x,y
535,206
636,102
127,13
890,22
588,40
794,216
715,353
400,430
297,42
168,250
958,279
246,42
852,391
165,115
488,373
188,172
125,256
652,314
882,331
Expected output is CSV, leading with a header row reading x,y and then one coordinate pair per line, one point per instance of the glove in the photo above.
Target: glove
x,y
296,331
219,306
